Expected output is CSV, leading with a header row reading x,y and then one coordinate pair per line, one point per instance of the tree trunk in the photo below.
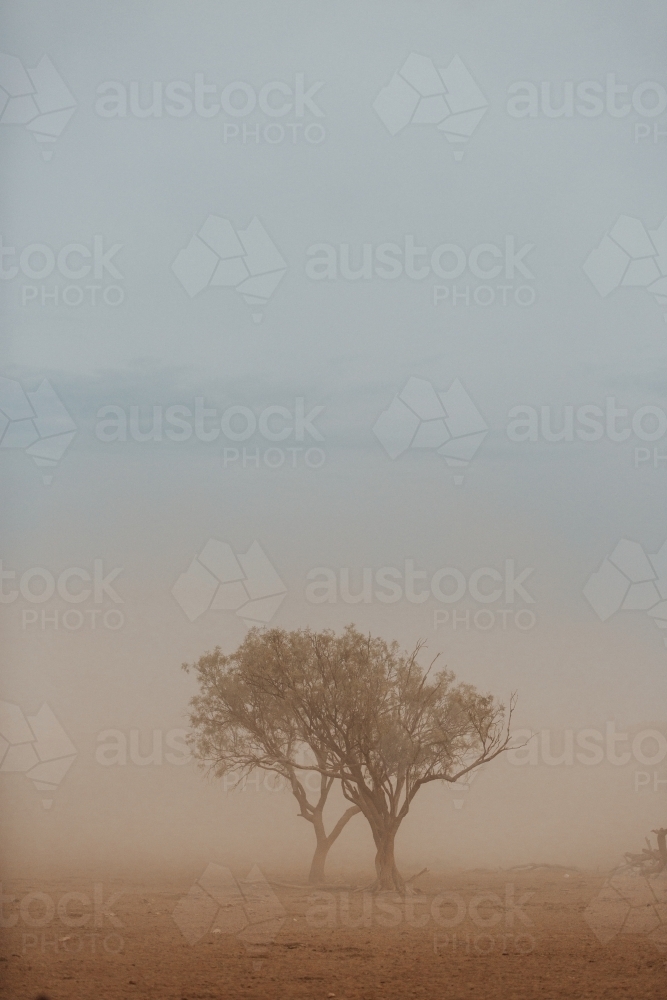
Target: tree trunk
x,y
388,875
316,874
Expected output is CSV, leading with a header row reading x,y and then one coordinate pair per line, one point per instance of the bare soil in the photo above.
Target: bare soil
x,y
543,948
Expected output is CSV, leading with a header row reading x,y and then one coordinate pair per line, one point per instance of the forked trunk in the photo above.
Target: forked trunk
x,y
324,843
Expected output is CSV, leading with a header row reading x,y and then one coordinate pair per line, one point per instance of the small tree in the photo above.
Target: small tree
x,y
238,727
374,720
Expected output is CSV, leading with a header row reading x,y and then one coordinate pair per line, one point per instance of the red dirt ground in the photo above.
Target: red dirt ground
x,y
545,951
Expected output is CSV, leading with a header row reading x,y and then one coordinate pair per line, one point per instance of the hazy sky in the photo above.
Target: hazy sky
x,y
517,207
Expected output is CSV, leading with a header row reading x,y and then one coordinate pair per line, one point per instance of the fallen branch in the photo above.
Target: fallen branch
x,y
532,868
289,885
413,877
374,885
651,860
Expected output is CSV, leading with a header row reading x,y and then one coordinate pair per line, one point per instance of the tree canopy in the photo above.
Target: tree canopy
x,y
373,718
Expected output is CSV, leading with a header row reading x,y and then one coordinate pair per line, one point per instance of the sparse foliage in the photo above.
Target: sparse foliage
x,y
372,717
238,728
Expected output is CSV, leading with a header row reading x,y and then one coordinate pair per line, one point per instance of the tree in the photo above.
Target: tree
x,y
238,728
373,718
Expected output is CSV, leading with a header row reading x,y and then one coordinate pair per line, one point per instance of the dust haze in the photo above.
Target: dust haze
x,y
329,327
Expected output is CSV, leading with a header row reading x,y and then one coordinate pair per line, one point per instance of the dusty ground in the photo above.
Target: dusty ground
x,y
503,947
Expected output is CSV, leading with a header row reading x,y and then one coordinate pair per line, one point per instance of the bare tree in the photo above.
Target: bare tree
x,y
374,719
238,728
